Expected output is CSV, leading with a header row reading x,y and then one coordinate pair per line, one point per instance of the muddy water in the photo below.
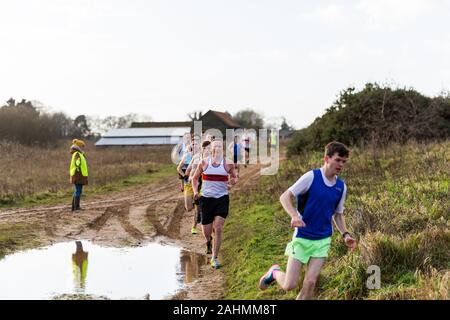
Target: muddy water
x,y
80,267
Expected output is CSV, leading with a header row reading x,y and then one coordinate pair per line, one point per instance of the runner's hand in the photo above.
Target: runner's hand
x,y
350,242
296,222
196,196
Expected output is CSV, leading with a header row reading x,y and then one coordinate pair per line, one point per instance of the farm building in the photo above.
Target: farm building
x,y
218,120
165,133
210,120
143,136
175,124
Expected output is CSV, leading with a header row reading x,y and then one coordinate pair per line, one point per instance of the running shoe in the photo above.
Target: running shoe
x,y
215,263
194,230
268,278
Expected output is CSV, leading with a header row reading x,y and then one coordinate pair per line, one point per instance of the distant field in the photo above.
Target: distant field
x,y
29,174
398,206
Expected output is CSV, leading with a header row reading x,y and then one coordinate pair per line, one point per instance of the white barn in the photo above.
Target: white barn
x,y
143,136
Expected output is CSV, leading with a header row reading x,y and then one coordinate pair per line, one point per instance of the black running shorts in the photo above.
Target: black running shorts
x,y
180,176
212,207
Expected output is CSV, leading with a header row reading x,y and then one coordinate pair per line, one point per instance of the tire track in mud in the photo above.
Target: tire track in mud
x,y
135,195
50,226
134,215
169,228
121,212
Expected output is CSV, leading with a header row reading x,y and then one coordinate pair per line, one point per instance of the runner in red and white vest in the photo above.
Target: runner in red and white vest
x,y
217,175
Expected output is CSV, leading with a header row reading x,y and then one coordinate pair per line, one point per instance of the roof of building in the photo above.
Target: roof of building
x,y
227,120
147,132
177,124
138,141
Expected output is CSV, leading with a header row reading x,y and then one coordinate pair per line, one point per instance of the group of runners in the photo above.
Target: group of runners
x,y
206,177
313,202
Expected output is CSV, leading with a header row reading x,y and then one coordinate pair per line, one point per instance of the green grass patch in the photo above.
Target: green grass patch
x,y
154,173
16,237
397,206
254,239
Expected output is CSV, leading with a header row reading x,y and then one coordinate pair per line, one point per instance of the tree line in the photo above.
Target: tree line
x,y
28,123
377,115
25,123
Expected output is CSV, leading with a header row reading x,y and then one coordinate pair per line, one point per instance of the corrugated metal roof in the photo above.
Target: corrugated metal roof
x,y
147,132
140,141
177,124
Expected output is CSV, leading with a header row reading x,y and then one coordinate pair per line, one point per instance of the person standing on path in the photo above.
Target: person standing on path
x,y
320,195
78,171
214,200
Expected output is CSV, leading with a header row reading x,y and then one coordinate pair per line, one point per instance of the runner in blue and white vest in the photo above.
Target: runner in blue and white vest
x,y
320,196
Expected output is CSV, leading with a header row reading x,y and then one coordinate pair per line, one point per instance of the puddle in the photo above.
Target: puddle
x,y
81,267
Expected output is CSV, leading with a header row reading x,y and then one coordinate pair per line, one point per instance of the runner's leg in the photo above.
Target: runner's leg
x,y
311,276
289,280
218,227
188,202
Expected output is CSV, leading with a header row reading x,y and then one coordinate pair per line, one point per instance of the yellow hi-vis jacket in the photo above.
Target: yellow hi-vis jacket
x,y
78,168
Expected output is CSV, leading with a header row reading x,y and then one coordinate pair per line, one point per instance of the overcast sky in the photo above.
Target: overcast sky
x,y
167,58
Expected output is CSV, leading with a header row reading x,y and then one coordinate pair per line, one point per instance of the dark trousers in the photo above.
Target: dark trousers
x,y
78,190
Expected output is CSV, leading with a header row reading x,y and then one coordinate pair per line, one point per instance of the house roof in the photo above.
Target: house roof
x,y
227,120
161,124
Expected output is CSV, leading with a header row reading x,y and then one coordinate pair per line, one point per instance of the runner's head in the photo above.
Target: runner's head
x,y
206,149
217,149
195,147
187,138
197,139
336,154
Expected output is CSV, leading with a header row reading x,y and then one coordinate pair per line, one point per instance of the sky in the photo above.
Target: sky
x,y
165,59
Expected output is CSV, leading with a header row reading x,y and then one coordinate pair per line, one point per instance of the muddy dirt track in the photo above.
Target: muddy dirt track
x,y
133,217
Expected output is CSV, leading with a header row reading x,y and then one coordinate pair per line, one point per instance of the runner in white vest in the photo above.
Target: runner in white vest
x,y
214,200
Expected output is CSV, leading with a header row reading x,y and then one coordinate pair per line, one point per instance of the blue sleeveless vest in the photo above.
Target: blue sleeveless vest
x,y
317,207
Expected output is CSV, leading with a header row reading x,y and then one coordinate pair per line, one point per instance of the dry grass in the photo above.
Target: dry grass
x,y
398,206
26,171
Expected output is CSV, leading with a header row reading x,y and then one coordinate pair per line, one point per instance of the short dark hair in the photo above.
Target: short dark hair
x,y
337,147
205,143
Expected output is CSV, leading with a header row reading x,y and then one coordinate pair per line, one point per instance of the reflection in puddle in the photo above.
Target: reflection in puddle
x,y
80,267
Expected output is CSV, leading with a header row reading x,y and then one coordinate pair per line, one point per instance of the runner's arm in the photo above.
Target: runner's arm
x,y
301,186
180,165
286,200
189,168
338,216
339,220
232,172
196,176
